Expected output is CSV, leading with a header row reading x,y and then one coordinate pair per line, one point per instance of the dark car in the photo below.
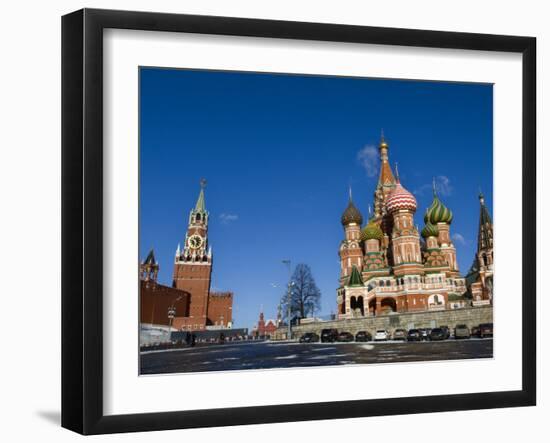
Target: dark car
x,y
447,331
475,332
414,335
363,336
486,330
345,337
462,331
425,333
437,334
309,337
400,334
329,335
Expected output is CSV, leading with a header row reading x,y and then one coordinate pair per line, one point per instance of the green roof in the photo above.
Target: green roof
x,y
430,230
355,278
200,206
150,260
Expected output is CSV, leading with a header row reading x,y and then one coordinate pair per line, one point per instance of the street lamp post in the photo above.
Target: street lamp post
x,y
171,315
289,298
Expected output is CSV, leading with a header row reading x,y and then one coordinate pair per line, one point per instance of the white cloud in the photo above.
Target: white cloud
x,y
442,185
459,238
368,157
228,218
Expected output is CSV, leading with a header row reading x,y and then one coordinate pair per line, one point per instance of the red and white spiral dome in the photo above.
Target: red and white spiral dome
x,y
399,198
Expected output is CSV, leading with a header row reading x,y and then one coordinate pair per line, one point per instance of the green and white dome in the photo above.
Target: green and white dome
x,y
430,230
438,213
371,232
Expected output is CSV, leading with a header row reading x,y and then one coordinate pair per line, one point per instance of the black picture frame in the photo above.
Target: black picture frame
x,y
82,218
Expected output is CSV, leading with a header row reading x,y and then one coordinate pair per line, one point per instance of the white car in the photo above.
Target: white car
x,y
381,334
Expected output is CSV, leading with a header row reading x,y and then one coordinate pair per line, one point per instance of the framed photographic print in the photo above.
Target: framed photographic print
x,y
269,221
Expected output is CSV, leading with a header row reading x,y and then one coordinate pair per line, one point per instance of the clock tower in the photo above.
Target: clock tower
x,y
193,263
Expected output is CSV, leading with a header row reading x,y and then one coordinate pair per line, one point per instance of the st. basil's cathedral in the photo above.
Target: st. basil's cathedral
x,y
389,266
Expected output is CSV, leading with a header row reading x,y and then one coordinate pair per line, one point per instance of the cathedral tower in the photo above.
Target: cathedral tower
x,y
405,240
441,217
193,264
386,180
350,248
480,276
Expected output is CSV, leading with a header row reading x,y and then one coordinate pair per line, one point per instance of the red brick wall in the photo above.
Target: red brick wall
x,y
195,279
220,308
155,300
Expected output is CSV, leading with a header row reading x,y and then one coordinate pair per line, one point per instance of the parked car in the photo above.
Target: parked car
x,y
475,331
363,336
462,331
400,334
381,335
447,331
345,337
437,334
425,333
414,335
486,330
309,337
329,335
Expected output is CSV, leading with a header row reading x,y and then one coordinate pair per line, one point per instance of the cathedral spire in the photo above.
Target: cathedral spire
x,y
386,175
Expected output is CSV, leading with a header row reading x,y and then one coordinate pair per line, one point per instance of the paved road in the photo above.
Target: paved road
x,y
266,355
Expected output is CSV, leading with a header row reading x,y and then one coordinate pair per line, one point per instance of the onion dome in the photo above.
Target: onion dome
x,y
399,198
438,213
371,232
430,230
351,215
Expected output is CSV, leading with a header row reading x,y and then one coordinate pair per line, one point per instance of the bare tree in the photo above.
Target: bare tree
x,y
305,296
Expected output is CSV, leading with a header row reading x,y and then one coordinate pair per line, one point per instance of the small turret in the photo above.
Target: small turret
x,y
149,267
351,214
438,212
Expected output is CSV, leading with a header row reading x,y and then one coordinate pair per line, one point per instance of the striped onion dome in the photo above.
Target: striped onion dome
x,y
351,215
371,231
438,213
430,230
399,198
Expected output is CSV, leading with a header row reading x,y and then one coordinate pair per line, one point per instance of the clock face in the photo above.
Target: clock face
x,y
195,241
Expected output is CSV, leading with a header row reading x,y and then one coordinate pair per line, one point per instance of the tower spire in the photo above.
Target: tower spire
x,y
200,205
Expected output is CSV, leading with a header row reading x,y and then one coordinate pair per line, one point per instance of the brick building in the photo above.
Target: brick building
x,y
197,308
265,328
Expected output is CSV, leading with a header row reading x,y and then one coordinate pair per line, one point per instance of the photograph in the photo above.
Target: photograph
x,y
296,221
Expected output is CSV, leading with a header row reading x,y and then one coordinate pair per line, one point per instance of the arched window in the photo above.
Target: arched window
x,y
198,217
381,282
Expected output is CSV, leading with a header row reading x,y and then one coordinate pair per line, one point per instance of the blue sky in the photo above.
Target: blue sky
x,y
279,152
